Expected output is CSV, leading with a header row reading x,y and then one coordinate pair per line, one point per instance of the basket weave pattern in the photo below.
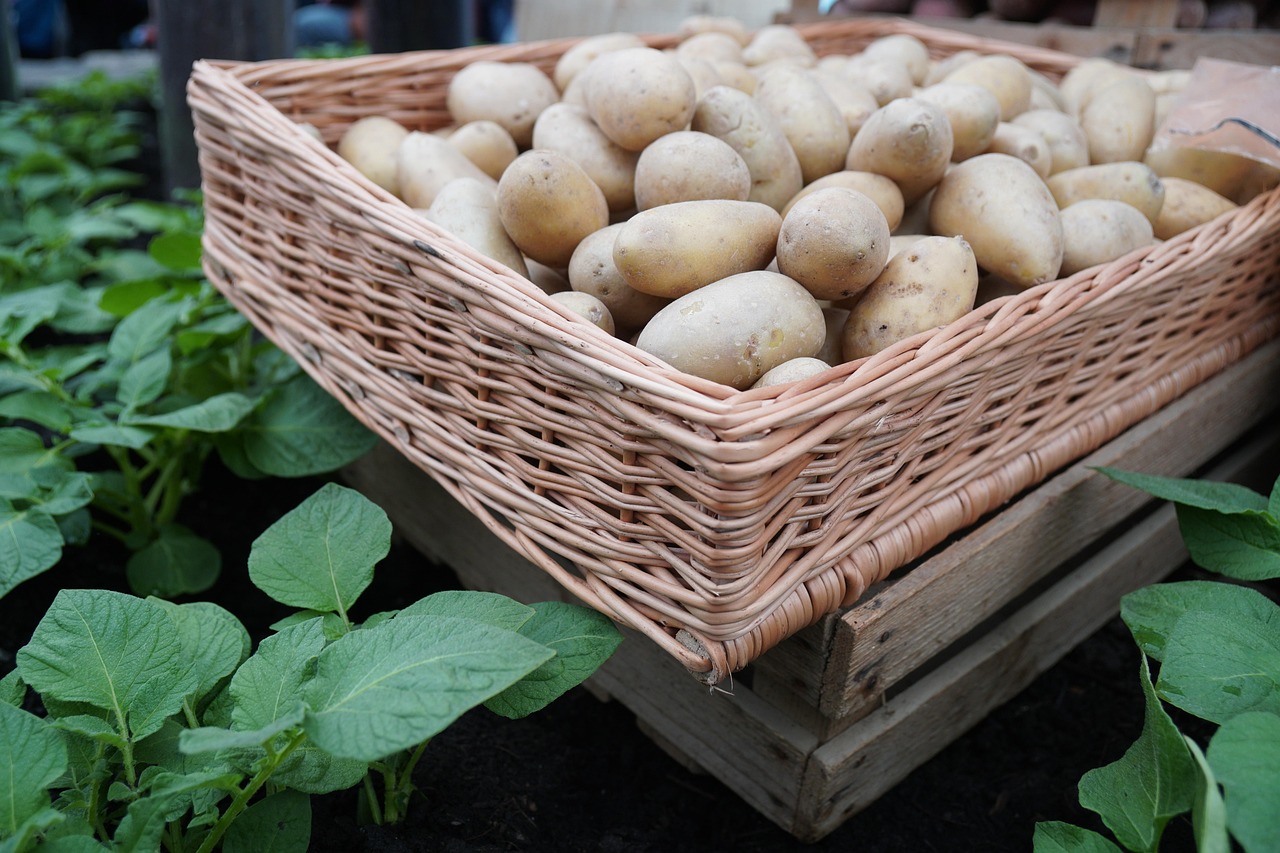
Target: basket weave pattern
x,y
715,521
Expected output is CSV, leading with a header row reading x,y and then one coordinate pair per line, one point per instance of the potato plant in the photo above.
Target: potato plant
x,y
672,155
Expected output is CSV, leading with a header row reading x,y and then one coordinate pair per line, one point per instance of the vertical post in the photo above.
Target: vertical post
x,y
188,30
8,55
396,26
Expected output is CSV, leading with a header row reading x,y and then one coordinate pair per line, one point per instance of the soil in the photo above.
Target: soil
x,y
580,776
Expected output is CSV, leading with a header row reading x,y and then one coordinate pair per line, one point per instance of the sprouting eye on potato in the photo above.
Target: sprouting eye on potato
x,y
754,213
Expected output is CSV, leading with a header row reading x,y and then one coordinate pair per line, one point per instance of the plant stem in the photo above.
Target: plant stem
x,y
113,532
241,800
371,796
398,802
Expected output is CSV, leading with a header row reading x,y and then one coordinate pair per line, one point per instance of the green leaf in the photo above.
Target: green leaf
x,y
39,407
321,554
1273,503
132,437
1217,666
21,451
214,642
207,332
146,378
219,413
332,623
72,844
30,829
301,430
1245,756
1152,611
76,527
398,684
1208,811
30,543
110,650
1057,837
1245,547
93,728
231,451
281,823
1203,494
582,640
71,491
1154,781
126,266
144,330
143,824
13,690
487,607
212,739
177,251
154,216
177,563
32,756
131,294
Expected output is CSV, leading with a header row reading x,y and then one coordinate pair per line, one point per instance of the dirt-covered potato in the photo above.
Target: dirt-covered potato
x,y
878,188
671,250
587,307
1003,76
1024,143
370,144
811,121
1097,230
834,242
592,270
1119,120
792,371
509,93
487,144
1134,183
1068,146
689,166
930,284
638,94
579,56
425,163
735,330
1004,210
569,130
972,111
548,204
1186,205
735,117
908,141
468,208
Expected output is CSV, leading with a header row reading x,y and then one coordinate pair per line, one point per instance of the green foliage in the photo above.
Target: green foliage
x,y
122,369
163,728
1218,646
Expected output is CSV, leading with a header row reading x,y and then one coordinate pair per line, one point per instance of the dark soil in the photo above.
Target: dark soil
x,y
580,776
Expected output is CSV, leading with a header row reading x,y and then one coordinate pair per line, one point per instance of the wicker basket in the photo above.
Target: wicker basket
x,y
717,522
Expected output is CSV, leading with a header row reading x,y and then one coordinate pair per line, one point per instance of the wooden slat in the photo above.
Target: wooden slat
x,y
883,640
1136,13
850,771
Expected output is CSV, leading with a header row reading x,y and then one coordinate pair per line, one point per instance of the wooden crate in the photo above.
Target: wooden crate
x,y
820,726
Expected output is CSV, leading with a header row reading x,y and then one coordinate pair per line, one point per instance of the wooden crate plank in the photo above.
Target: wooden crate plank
x,y
884,639
1129,13
851,770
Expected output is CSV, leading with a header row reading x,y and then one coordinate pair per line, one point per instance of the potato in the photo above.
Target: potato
x,y
592,270
898,242
735,330
425,163
701,72
688,166
1024,143
579,56
487,144
1119,120
1220,171
1085,77
905,49
834,242
1133,183
570,131
468,209
717,46
878,188
1096,230
1045,92
941,69
370,144
695,24
908,141
792,371
735,74
932,283
671,250
509,93
886,79
586,306
1186,205
1068,147
548,279
809,118
637,94
1004,210
972,111
855,103
735,117
548,204
1003,76
778,41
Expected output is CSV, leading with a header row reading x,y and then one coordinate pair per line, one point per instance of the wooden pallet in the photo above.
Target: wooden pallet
x,y
820,726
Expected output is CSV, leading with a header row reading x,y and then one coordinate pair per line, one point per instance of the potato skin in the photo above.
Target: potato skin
x,y
932,283
1133,183
972,111
878,188
487,144
370,144
834,242
1187,205
592,270
792,371
735,117
570,131
468,209
674,249
1024,143
588,307
572,62
908,141
1119,120
735,330
425,163
509,93
1005,77
1068,146
638,94
689,166
1098,230
810,119
1004,210
548,204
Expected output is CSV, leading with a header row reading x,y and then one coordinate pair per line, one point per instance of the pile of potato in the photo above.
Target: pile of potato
x,y
752,213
